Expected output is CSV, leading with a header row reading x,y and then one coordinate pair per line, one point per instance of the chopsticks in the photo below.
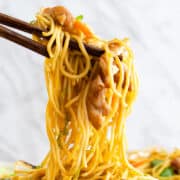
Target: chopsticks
x,y
31,29
23,41
19,24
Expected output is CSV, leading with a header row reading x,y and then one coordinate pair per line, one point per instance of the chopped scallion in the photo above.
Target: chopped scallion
x,y
156,162
167,172
80,17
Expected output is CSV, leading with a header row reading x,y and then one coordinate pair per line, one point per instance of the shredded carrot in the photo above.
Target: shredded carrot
x,y
139,163
83,28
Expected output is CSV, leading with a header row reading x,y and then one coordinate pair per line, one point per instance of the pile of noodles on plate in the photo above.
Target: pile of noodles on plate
x,y
89,99
157,162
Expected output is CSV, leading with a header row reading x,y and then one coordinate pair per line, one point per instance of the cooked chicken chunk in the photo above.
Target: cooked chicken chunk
x,y
96,102
61,15
176,164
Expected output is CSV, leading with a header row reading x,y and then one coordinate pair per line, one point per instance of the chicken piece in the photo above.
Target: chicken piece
x,y
104,71
115,47
117,76
96,102
97,105
62,16
176,164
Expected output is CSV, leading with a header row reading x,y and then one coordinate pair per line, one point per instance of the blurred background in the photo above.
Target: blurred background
x,y
153,27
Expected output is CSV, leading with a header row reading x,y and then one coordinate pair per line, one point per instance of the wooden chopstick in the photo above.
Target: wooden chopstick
x,y
23,41
20,25
29,28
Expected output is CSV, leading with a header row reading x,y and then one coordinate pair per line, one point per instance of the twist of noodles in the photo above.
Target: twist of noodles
x,y
89,101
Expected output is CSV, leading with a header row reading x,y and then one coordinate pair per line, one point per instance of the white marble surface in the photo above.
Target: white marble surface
x,y
153,27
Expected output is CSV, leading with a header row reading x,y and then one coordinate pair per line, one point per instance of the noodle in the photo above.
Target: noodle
x,y
89,101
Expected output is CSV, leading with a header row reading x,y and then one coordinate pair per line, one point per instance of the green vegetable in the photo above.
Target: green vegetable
x,y
167,172
59,140
80,17
156,162
32,22
65,131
